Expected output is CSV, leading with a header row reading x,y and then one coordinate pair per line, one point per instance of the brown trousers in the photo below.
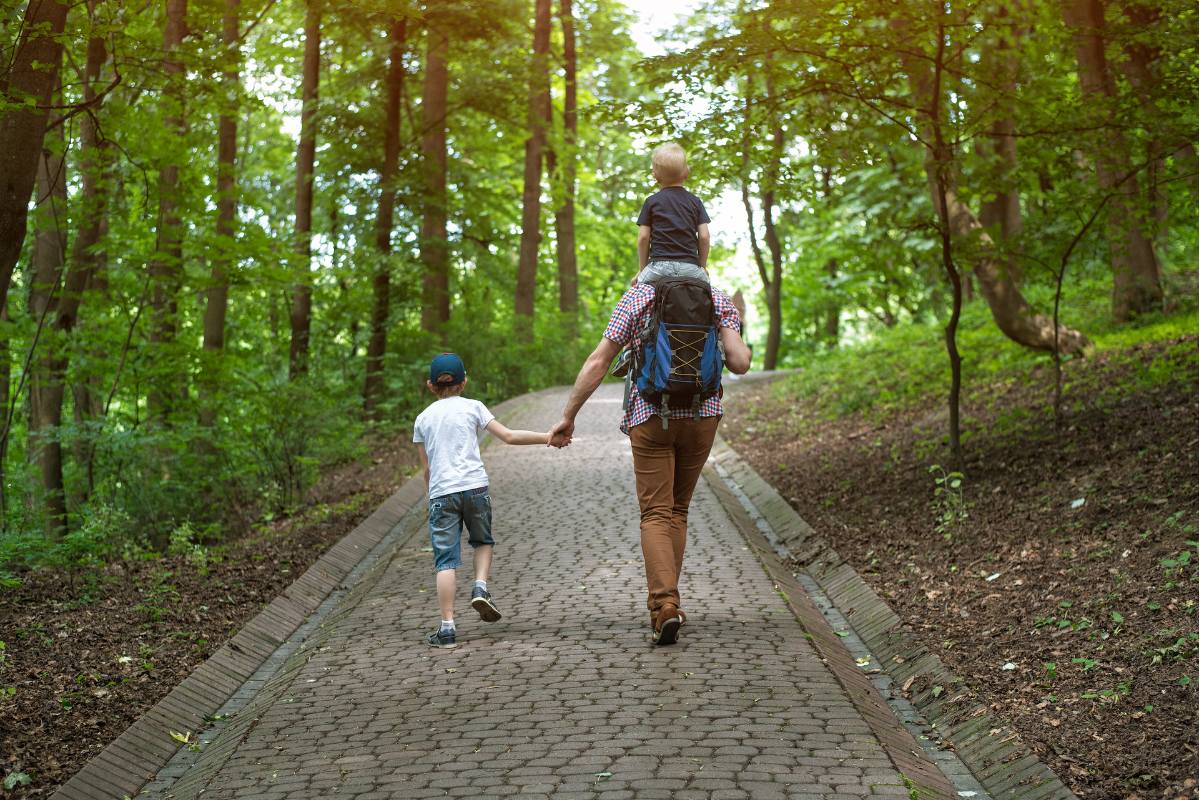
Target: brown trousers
x,y
667,465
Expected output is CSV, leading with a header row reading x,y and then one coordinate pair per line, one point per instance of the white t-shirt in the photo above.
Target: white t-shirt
x,y
450,429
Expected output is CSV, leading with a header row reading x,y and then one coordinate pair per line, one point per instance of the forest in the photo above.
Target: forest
x,y
232,233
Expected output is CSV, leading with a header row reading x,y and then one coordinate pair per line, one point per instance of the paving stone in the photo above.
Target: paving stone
x,y
567,686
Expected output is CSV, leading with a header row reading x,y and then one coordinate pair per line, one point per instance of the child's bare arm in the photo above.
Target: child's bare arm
x,y
516,437
424,461
703,241
643,246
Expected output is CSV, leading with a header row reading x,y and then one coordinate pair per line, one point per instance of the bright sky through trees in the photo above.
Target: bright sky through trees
x,y
728,225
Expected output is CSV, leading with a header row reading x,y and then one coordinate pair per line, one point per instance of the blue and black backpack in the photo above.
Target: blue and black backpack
x,y
680,360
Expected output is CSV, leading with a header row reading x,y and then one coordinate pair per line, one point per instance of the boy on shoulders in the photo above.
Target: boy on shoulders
x,y
673,238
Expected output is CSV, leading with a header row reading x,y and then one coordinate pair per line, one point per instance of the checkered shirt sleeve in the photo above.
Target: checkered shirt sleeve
x,y
630,315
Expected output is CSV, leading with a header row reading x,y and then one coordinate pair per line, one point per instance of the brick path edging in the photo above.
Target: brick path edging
x,y
990,748
197,774
132,759
926,780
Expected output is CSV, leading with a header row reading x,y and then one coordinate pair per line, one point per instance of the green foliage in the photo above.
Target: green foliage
x,y
17,549
157,598
950,509
103,534
1174,565
1182,649
287,429
145,475
906,366
168,445
838,82
183,543
15,778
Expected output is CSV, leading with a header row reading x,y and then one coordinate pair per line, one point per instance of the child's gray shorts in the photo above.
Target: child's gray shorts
x,y
656,270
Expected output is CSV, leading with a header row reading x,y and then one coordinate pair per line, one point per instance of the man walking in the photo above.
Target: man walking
x,y
667,454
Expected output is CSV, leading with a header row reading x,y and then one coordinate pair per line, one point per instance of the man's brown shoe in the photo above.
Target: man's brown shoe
x,y
668,625
682,619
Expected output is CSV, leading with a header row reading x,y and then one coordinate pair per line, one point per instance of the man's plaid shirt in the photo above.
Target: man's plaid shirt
x,y
629,319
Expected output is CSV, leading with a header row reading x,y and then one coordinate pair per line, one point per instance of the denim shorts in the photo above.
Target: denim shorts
x,y
448,515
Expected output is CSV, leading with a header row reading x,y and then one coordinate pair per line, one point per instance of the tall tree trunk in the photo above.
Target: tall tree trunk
x,y
770,184
227,197
747,203
1002,213
1142,54
774,294
1137,283
166,266
384,221
564,216
1012,313
5,391
93,158
26,84
45,393
306,155
435,254
531,200
55,298
833,311
335,246
88,256
943,166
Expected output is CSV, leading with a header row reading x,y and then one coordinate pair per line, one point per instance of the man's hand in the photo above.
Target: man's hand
x,y
560,434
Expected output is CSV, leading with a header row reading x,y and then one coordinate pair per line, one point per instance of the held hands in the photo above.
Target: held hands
x,y
560,434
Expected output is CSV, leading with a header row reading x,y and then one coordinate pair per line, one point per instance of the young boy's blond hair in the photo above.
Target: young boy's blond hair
x,y
669,164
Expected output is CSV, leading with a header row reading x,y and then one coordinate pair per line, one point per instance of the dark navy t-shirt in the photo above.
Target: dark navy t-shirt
x,y
673,214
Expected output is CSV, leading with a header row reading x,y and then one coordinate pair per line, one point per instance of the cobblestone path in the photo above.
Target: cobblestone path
x,y
564,697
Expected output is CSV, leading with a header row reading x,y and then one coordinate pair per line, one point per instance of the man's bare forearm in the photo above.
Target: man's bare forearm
x,y
590,376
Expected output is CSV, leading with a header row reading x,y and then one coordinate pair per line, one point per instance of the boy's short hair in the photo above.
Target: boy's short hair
x,y
669,163
443,389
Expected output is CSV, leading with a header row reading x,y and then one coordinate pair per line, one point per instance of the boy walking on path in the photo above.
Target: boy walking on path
x,y
447,438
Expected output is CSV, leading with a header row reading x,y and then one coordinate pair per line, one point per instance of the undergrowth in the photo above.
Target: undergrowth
x,y
906,366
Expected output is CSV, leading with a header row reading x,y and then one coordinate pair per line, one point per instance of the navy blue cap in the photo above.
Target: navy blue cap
x,y
447,363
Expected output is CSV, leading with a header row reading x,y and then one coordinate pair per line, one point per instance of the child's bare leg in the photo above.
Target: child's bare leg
x,y
483,562
481,599
445,592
